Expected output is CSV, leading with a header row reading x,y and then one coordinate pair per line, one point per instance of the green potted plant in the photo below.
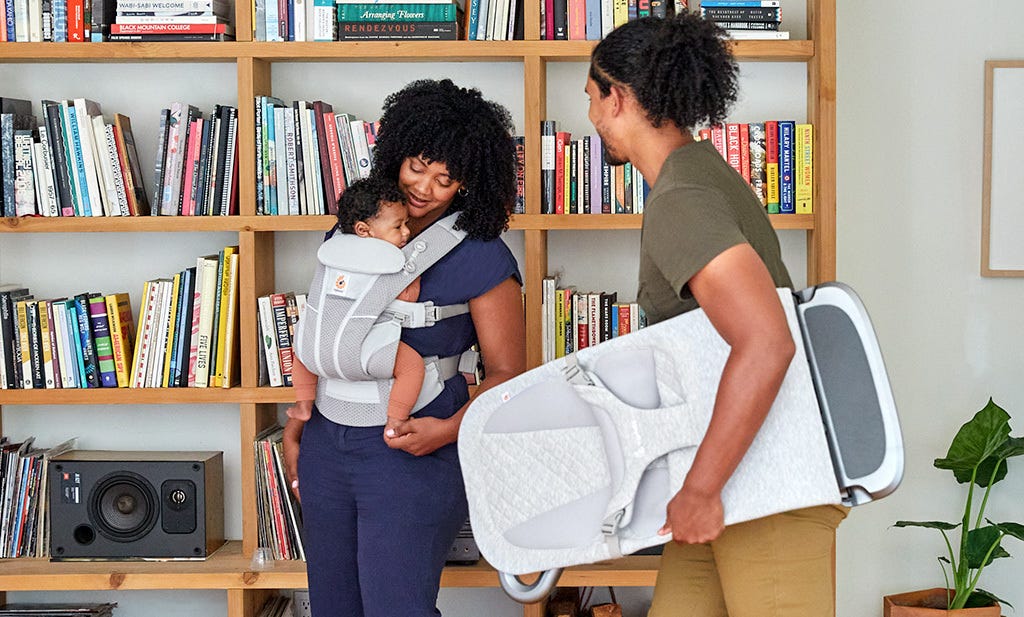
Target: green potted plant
x,y
977,457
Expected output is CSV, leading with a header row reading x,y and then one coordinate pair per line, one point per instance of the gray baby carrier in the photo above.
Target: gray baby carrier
x,y
574,462
349,333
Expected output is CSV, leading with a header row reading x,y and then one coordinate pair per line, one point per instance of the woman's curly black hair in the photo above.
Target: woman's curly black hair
x,y
679,69
361,200
458,127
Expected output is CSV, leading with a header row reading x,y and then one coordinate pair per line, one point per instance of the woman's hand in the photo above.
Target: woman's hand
x,y
421,436
694,518
290,442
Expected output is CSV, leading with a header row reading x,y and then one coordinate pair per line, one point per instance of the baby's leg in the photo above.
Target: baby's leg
x,y
408,381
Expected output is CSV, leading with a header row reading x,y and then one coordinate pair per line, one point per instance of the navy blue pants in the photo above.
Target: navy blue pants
x,y
378,522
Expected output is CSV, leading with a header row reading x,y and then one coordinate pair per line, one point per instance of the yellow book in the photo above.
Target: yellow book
x,y
44,339
223,289
21,310
119,312
169,343
620,12
230,347
559,323
771,142
803,181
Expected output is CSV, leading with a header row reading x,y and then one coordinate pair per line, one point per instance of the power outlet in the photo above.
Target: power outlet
x,y
300,603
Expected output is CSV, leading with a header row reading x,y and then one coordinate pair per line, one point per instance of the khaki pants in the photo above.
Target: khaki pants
x,y
778,566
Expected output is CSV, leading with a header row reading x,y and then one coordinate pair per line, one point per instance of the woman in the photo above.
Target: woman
x,y
380,514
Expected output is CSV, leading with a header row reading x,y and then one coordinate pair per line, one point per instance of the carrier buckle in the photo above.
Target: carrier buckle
x,y
611,523
575,374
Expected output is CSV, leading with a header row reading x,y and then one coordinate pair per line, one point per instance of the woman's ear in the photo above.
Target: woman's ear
x,y
362,229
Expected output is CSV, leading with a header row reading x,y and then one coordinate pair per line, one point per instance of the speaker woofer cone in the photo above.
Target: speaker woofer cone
x,y
123,506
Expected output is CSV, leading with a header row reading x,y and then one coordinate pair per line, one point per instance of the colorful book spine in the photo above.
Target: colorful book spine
x,y
104,347
787,201
85,334
122,333
804,175
771,152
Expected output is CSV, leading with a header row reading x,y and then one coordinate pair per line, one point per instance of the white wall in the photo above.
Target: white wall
x,y
910,113
910,79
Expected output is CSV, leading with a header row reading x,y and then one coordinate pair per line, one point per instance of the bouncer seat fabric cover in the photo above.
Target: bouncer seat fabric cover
x,y
575,461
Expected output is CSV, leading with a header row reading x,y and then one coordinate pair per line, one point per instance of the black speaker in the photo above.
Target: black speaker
x,y
136,505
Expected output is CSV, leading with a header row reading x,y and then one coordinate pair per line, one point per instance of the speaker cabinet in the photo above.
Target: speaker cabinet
x,y
136,505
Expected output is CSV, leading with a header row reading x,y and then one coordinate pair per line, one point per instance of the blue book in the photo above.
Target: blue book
x,y
78,160
474,19
85,337
183,329
9,10
593,20
787,198
481,27
60,22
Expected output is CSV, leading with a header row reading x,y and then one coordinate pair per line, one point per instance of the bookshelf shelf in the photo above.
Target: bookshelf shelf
x,y
254,63
228,568
359,51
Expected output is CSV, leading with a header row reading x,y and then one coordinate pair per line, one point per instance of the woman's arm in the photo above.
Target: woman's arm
x,y
739,297
501,332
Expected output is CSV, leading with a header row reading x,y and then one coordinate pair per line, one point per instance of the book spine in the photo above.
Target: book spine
x,y
279,304
787,203
46,343
741,13
88,341
407,30
24,184
160,165
771,152
757,161
396,12
104,346
804,163
171,28
749,25
519,207
547,166
268,342
120,336
35,345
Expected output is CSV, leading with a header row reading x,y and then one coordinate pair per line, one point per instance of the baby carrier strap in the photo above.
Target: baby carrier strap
x,y
350,332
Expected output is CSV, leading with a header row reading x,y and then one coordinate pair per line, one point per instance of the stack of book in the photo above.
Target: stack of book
x,y
426,20
84,341
71,163
573,320
188,327
23,486
293,20
576,178
196,169
57,21
278,606
276,507
746,19
172,20
775,156
21,609
278,315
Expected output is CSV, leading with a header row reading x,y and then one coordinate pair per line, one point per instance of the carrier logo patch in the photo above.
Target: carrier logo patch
x,y
340,283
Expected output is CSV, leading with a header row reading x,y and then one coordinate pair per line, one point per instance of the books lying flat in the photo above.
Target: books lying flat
x,y
165,38
408,31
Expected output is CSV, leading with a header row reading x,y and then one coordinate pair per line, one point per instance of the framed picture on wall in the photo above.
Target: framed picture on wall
x,y
1002,223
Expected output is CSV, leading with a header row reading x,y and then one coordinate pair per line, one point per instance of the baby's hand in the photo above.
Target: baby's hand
x,y
392,426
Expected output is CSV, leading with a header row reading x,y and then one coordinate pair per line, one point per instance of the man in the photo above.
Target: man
x,y
707,242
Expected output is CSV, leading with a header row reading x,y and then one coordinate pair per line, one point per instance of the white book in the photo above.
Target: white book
x,y
317,179
105,173
268,343
291,168
179,19
45,312
71,343
301,190
482,20
281,161
158,352
608,17
84,111
361,147
20,21
299,19
120,188
310,158
38,179
208,299
174,159
143,335
758,35
323,20
350,163
24,177
49,184
68,367
35,21
76,169
229,160
177,6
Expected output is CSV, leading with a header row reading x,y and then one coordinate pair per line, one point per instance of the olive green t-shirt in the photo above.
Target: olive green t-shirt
x,y
698,208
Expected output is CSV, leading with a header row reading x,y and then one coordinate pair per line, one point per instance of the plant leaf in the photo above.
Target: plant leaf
x,y
928,524
1014,446
980,597
979,438
984,472
1011,529
979,541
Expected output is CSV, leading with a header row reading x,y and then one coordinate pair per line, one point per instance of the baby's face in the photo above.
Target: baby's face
x,y
391,223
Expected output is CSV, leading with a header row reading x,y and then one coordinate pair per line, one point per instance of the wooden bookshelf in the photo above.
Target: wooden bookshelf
x,y
253,63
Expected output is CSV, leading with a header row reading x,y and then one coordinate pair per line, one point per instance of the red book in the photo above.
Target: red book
x,y
732,146
76,21
166,28
577,20
745,151
334,154
624,325
549,20
561,138
718,140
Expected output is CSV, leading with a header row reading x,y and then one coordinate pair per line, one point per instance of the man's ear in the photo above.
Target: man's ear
x,y
362,229
618,97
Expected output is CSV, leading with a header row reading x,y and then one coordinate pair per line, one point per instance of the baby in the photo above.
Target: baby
x,y
374,208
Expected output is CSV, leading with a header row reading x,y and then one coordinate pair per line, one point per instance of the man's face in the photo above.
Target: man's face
x,y
603,120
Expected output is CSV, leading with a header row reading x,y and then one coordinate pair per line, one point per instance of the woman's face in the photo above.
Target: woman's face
x,y
428,188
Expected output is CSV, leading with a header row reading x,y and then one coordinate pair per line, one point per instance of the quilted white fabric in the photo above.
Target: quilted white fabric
x,y
547,462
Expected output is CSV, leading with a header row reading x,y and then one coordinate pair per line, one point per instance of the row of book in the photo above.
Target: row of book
x,y
278,606
58,21
746,19
24,518
278,315
592,20
188,327
172,20
306,154
577,179
196,163
26,609
495,20
280,519
354,20
72,163
776,157
574,320
84,341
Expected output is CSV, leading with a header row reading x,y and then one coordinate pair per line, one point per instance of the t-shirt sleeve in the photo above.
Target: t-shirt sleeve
x,y
685,229
486,265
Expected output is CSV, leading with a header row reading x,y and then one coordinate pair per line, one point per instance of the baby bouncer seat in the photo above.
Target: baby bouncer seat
x,y
574,462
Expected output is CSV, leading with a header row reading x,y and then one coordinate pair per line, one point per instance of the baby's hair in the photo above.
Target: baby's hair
x,y
362,199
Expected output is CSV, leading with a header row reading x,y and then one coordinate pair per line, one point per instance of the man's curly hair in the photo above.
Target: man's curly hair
x,y
361,200
679,69
458,127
